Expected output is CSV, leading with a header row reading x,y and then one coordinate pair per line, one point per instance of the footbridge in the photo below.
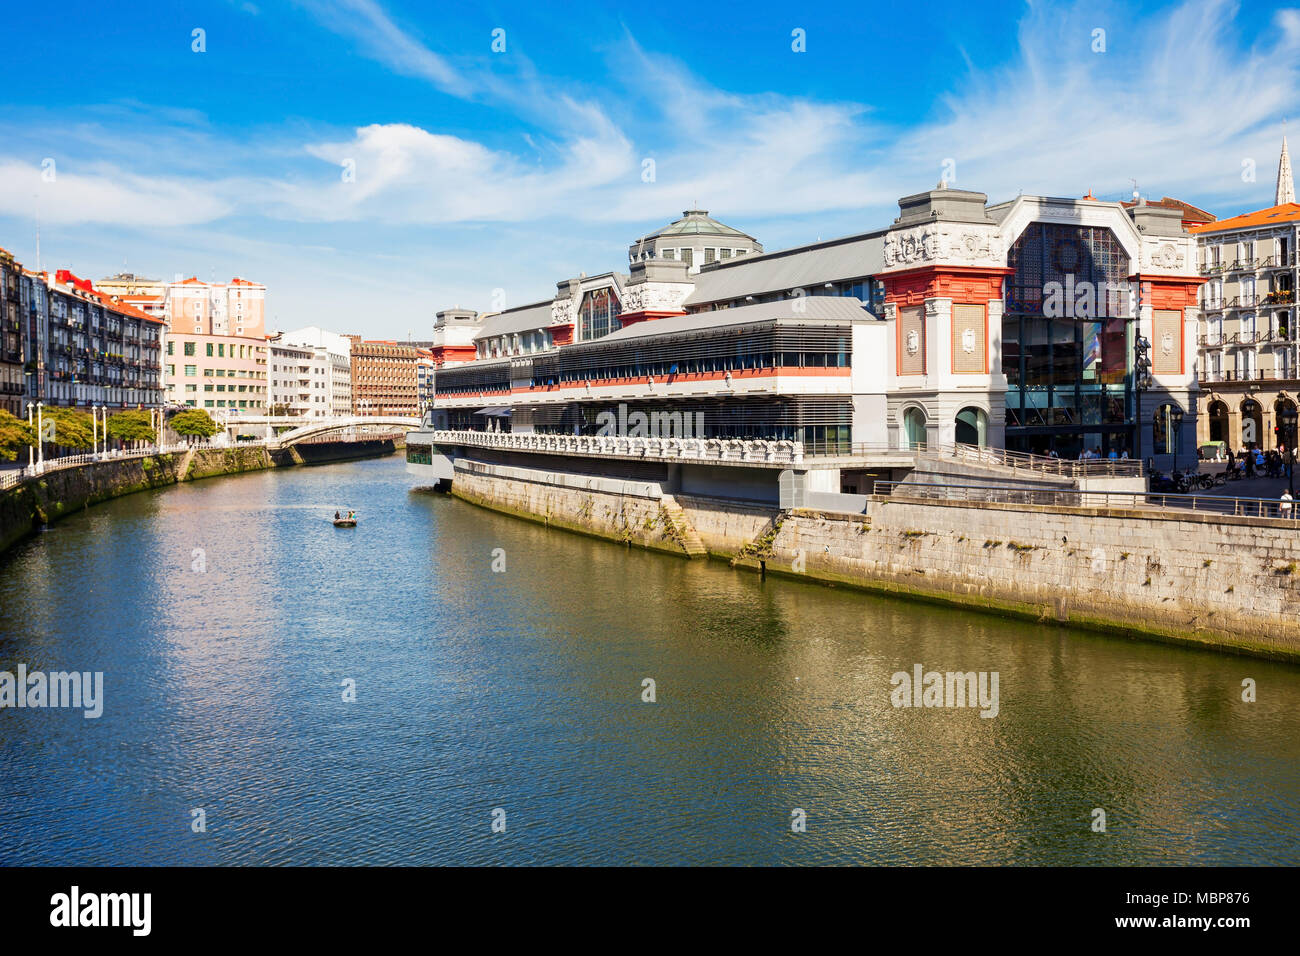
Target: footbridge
x,y
285,431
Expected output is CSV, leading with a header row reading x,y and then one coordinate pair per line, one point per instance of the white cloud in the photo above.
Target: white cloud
x,y
105,195
1177,101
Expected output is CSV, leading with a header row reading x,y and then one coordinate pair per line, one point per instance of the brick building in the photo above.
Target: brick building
x,y
384,378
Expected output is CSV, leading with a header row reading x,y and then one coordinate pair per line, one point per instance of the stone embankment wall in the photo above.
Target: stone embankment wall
x,y
25,508
626,511
55,494
1228,583
1231,583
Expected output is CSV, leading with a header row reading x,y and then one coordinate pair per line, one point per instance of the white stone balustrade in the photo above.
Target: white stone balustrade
x,y
720,450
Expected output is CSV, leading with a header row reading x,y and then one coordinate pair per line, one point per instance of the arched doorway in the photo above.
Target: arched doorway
x,y
1218,421
972,427
1252,424
914,426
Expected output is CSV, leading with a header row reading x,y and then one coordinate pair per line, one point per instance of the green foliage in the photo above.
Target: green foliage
x,y
72,428
194,423
15,435
131,425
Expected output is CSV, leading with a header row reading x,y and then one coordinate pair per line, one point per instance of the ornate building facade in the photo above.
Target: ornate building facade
x,y
1248,345
1009,325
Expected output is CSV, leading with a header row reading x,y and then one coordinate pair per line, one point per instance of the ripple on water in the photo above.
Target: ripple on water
x,y
521,690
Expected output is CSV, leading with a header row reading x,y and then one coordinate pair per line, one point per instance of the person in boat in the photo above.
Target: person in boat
x,y
336,516
352,515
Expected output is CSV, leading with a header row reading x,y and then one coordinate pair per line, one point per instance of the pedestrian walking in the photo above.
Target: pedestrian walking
x,y
1284,508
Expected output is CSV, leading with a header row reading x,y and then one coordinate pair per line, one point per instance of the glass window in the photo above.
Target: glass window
x,y
189,348
972,427
914,427
190,370
1164,429
599,314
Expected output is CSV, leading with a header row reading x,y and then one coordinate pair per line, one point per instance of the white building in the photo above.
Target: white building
x,y
300,381
336,351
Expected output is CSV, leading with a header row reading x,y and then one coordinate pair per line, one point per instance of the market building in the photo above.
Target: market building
x,y
1011,325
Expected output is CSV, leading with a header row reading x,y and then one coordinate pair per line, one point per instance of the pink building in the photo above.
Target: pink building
x,y
216,353
216,372
237,307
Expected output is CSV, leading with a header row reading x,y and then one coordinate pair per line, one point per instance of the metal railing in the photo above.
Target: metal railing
x,y
976,455
1222,505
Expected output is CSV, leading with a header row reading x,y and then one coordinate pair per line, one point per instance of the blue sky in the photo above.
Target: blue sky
x,y
477,171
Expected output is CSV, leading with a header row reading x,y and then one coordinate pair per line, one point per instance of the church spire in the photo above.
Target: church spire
x,y
1285,183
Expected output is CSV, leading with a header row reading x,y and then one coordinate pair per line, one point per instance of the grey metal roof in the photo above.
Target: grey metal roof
x,y
696,222
815,307
804,267
524,318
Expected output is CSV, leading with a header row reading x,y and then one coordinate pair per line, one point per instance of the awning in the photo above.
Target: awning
x,y
499,412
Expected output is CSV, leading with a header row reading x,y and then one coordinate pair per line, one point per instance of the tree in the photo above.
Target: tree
x,y
15,434
72,429
194,423
132,425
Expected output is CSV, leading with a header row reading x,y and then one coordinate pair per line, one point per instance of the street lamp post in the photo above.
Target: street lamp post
x,y
40,435
1289,417
1141,381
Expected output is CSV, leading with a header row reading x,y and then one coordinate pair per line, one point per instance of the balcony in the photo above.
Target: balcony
x,y
1243,302
1280,297
1232,375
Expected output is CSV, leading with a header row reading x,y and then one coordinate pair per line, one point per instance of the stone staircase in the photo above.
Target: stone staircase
x,y
681,529
183,471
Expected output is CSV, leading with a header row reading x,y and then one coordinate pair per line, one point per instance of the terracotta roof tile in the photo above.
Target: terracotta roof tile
x,y
1273,215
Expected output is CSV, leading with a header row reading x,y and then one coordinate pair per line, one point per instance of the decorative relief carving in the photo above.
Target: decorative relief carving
x,y
562,311
655,296
936,243
1167,256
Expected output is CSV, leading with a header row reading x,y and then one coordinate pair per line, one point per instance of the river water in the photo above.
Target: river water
x,y
230,619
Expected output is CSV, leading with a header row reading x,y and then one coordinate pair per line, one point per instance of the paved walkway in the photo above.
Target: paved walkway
x,y
1252,488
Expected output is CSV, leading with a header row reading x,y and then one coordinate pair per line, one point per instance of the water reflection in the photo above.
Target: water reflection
x,y
522,690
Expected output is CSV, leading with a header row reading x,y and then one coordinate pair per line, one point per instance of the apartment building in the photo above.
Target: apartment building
x,y
384,378
300,381
1247,347
12,378
336,352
